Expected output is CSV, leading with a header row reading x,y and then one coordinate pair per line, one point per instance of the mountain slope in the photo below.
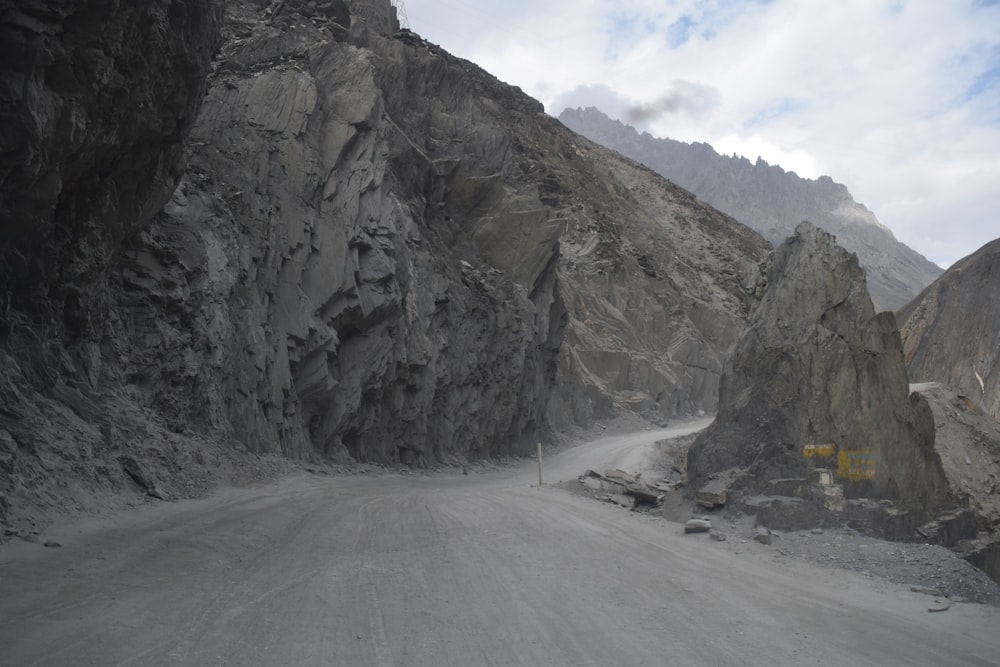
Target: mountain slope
x,y
377,252
772,201
950,330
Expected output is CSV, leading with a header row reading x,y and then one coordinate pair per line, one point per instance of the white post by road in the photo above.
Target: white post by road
x,y
539,464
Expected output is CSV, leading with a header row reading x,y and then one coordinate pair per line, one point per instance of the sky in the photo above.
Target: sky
x,y
897,99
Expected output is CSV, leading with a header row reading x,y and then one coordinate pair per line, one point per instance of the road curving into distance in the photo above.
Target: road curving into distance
x,y
446,569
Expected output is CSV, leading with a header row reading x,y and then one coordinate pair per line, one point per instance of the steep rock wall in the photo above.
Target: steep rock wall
x,y
658,289
352,301
818,380
361,260
950,331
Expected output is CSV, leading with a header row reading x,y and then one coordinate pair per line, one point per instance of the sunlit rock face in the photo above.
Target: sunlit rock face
x,y
950,331
818,381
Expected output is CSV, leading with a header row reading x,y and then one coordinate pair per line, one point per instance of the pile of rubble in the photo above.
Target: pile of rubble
x,y
621,488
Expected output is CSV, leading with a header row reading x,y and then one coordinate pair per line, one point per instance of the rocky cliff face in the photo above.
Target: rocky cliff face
x,y
360,261
818,382
97,99
950,331
772,201
657,285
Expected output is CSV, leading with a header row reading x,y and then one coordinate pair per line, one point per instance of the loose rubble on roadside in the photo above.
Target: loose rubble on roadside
x,y
659,494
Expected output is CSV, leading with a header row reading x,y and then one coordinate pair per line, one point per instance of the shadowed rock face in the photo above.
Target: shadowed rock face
x,y
950,331
818,380
772,201
96,99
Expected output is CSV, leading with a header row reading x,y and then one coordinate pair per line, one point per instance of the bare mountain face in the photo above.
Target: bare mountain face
x,y
815,410
950,331
360,248
772,201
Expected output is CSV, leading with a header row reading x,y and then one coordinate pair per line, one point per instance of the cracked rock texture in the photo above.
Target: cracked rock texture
x,y
376,252
772,201
950,331
817,367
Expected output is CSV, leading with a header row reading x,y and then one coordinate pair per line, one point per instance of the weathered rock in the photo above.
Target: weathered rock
x,y
134,470
772,201
818,381
621,499
762,535
644,495
785,513
620,476
949,331
697,526
97,98
374,252
713,494
949,528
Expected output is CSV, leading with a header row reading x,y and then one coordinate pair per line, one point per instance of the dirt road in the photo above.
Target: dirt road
x,y
440,570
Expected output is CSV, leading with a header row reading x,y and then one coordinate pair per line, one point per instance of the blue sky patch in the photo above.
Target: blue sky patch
x,y
776,109
679,33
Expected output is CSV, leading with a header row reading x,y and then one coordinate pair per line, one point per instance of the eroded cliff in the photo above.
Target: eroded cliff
x,y
817,383
376,252
950,330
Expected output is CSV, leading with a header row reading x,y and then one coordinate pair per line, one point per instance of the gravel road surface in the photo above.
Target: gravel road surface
x,y
449,569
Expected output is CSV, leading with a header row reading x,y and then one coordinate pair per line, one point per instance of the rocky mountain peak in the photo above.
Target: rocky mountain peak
x,y
817,382
771,201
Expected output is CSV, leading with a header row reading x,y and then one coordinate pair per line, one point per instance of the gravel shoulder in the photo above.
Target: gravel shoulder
x,y
931,569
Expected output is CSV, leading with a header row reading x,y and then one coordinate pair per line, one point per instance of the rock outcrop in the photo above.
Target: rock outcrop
x,y
377,252
949,332
772,201
816,391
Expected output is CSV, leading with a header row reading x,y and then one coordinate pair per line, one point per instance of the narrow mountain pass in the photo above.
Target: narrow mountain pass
x,y
432,570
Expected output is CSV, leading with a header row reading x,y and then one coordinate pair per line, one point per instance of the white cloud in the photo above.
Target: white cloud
x,y
899,100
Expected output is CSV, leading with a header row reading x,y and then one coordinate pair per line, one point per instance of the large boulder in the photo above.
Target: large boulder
x,y
818,381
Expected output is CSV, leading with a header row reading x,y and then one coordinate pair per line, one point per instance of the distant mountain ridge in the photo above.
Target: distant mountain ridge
x,y
772,201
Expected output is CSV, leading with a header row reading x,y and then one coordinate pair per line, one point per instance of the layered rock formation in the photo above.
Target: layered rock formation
x,y
772,201
949,332
817,383
657,285
360,261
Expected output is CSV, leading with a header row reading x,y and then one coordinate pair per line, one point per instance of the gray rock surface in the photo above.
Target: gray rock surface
x,y
817,382
950,330
377,252
656,285
772,201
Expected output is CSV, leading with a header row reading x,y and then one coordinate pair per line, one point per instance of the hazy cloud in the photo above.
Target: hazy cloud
x,y
685,96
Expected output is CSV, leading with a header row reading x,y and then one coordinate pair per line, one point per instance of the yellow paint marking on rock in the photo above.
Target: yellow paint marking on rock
x,y
856,465
820,450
